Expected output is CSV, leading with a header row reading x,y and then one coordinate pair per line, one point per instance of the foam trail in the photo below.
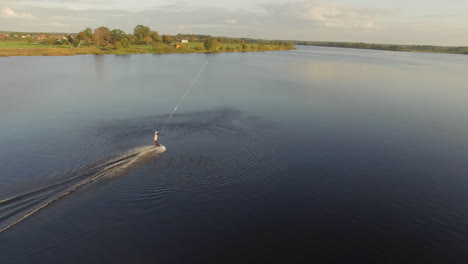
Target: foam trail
x,y
16,209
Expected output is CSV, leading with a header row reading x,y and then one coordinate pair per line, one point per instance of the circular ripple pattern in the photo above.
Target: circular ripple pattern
x,y
221,158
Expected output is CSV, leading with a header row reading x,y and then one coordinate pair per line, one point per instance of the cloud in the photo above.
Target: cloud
x,y
329,14
230,21
76,8
9,13
334,20
56,25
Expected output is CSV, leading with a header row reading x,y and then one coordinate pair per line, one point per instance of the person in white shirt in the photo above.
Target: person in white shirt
x,y
156,143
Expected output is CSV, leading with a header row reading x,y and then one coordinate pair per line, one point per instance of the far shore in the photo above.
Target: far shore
x,y
463,50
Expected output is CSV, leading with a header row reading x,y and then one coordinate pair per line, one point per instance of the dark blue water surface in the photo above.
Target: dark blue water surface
x,y
316,155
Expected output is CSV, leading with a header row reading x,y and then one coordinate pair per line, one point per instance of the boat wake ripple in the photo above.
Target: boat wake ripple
x,y
16,209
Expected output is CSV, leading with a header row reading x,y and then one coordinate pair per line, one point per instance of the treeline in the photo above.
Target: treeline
x,y
143,39
143,35
229,44
117,38
201,38
391,47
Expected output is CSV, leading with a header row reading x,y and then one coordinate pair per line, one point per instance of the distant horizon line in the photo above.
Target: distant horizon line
x,y
291,40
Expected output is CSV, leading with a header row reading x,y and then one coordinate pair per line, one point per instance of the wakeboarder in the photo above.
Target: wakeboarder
x,y
156,143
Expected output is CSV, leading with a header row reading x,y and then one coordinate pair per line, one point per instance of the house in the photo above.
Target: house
x,y
4,36
42,36
184,41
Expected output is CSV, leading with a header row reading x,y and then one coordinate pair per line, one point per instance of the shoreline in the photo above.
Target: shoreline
x,y
462,50
17,52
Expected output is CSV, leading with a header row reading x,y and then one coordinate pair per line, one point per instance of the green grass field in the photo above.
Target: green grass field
x,y
142,47
24,44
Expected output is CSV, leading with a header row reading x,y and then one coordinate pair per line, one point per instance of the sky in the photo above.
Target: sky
x,y
434,22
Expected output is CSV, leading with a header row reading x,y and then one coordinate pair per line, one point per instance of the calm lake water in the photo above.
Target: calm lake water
x,y
316,154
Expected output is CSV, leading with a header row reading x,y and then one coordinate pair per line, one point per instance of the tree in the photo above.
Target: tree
x,y
167,39
50,41
119,39
142,34
64,41
211,44
81,37
117,35
132,39
89,33
125,43
155,36
102,36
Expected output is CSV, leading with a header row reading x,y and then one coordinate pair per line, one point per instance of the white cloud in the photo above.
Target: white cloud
x,y
332,20
76,8
9,13
57,25
331,15
230,21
